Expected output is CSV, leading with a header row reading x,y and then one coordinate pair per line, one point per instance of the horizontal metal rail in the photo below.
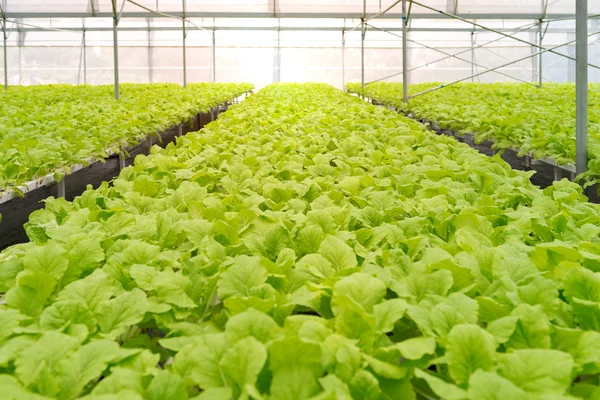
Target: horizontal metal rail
x,y
328,15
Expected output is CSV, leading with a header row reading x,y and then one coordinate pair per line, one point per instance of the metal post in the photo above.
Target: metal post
x,y
184,52
5,54
540,69
362,52
581,32
404,54
84,60
363,31
534,60
80,62
276,59
184,58
61,188
149,55
19,46
344,58
214,59
472,55
116,54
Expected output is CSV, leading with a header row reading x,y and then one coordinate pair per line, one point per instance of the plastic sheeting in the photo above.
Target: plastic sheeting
x,y
304,49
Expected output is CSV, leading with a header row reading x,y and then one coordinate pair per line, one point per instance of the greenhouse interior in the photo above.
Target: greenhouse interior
x,y
300,199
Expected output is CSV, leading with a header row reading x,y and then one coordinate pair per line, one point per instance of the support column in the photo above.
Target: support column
x,y
581,30
116,49
80,62
276,59
184,57
20,42
540,64
404,54
362,51
533,37
472,56
5,54
84,59
214,58
149,55
184,52
344,58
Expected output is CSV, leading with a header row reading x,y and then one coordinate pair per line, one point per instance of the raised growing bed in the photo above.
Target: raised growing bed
x,y
15,210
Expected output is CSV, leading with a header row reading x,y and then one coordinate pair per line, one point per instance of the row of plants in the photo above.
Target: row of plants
x,y
517,116
307,245
47,129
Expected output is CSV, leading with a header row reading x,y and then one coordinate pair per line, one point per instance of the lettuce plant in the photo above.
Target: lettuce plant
x,y
517,116
307,245
47,129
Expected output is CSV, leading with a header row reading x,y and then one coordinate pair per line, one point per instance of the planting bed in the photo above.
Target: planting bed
x,y
307,245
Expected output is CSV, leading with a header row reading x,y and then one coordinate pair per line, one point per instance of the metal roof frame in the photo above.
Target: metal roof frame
x,y
209,14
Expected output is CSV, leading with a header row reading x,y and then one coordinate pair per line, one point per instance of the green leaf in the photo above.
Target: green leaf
x,y
309,239
489,386
386,369
364,386
362,288
388,312
253,323
440,387
37,365
47,259
84,365
66,314
416,348
215,394
166,386
120,379
338,253
31,293
243,361
470,348
9,319
240,277
84,256
12,390
199,363
115,315
536,370
92,290
293,383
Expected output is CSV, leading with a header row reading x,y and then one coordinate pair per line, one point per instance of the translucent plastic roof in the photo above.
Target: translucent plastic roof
x,y
479,8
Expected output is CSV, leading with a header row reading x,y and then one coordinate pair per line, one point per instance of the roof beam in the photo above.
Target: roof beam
x,y
274,28
207,14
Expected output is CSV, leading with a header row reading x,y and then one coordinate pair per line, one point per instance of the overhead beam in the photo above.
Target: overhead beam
x,y
208,14
283,28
